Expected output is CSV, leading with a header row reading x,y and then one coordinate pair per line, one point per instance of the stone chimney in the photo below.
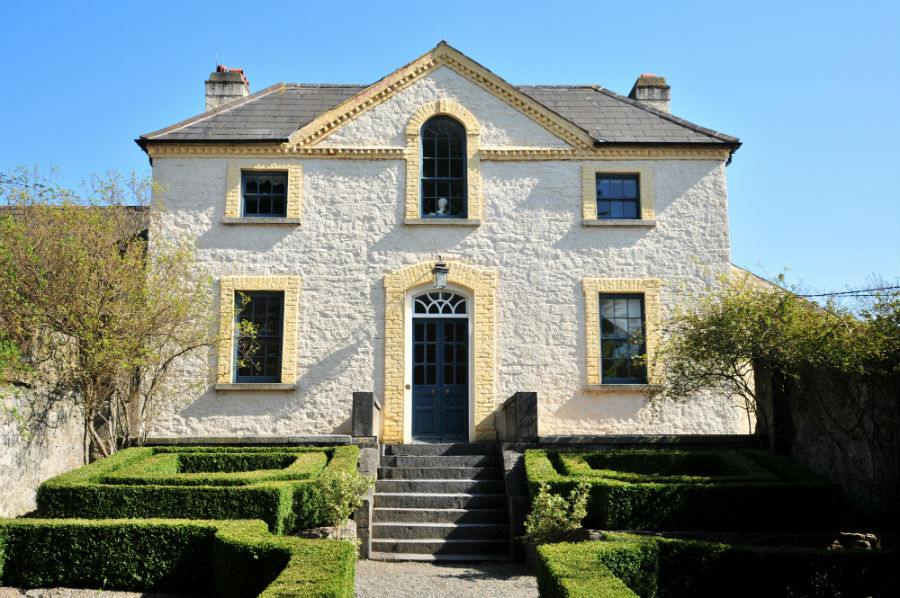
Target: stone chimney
x,y
225,85
651,90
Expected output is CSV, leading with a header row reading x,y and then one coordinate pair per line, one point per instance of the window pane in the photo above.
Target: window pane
x,y
616,210
629,188
630,210
602,188
603,209
615,188
634,308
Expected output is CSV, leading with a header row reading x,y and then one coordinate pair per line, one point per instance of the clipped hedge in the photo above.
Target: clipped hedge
x,y
144,483
747,490
628,566
237,559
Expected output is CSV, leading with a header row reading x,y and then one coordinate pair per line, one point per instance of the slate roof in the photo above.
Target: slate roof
x,y
274,113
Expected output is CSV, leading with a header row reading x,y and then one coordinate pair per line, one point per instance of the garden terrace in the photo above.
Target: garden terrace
x,y
740,490
275,484
230,559
631,566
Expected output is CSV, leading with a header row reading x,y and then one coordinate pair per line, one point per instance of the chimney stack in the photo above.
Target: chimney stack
x,y
651,90
225,85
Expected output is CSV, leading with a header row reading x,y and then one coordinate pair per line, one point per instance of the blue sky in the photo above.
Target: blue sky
x,y
811,88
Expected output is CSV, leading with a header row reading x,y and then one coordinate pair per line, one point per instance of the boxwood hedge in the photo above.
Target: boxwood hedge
x,y
199,483
236,559
749,490
628,566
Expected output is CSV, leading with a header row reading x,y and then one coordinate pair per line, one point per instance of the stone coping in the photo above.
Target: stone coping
x,y
263,220
311,439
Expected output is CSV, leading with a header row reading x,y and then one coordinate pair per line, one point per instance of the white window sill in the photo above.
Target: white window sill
x,y
623,387
255,386
442,221
619,222
266,220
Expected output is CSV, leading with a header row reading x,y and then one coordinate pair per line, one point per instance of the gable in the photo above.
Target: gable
x,y
443,56
385,124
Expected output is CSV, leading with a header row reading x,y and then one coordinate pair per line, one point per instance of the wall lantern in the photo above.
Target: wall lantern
x,y
440,271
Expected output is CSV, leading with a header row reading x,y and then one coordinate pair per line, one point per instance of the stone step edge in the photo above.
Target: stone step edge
x,y
418,556
432,524
453,510
449,541
434,494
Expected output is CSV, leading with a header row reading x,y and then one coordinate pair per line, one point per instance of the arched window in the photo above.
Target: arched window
x,y
437,303
443,168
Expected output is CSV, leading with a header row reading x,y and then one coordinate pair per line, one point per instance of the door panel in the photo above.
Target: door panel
x,y
440,396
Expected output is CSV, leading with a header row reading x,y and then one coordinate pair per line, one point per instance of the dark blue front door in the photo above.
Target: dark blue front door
x,y
440,393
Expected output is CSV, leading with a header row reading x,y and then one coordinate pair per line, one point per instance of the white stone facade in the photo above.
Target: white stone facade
x,y
353,234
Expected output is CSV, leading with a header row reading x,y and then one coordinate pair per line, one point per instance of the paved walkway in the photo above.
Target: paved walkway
x,y
378,579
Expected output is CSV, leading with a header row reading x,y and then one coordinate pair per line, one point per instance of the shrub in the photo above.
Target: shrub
x,y
237,559
553,517
143,482
747,491
342,492
626,565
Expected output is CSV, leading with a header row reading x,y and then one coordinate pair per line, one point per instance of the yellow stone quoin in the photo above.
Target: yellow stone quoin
x,y
650,289
228,286
482,284
233,184
589,174
474,202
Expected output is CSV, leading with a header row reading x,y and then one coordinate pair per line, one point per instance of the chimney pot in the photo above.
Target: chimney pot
x,y
225,85
652,91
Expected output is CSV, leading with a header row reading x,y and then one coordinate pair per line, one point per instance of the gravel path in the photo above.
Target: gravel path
x,y
377,579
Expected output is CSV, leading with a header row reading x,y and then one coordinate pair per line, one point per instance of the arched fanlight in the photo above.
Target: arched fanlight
x,y
440,271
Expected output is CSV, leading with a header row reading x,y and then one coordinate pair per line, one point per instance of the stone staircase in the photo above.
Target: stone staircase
x,y
440,502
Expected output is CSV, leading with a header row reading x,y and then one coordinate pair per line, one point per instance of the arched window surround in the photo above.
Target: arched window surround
x,y
474,202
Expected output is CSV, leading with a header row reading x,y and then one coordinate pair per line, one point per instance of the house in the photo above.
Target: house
x,y
444,239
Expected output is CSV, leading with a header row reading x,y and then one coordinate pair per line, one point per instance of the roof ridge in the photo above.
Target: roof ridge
x,y
216,111
667,116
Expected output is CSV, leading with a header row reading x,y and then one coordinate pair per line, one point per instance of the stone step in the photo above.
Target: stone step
x,y
440,531
440,461
408,500
439,449
453,558
439,473
441,486
388,514
442,547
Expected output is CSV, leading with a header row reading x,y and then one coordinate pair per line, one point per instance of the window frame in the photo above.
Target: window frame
x,y
460,180
618,177
649,289
413,155
271,196
644,173
234,191
628,341
239,308
226,371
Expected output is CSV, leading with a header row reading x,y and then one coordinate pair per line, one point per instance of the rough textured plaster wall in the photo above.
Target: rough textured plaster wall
x,y
54,447
353,234
385,125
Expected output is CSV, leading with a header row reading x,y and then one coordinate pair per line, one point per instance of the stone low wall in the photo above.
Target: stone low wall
x,y
53,444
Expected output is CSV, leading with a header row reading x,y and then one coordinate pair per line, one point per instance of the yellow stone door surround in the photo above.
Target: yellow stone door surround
x,y
480,285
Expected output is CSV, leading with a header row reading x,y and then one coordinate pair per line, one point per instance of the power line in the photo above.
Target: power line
x,y
856,293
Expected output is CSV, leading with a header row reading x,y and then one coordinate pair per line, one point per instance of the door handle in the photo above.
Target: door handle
x,y
433,391
446,391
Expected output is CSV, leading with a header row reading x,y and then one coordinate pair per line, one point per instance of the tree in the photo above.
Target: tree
x,y
818,375
89,306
